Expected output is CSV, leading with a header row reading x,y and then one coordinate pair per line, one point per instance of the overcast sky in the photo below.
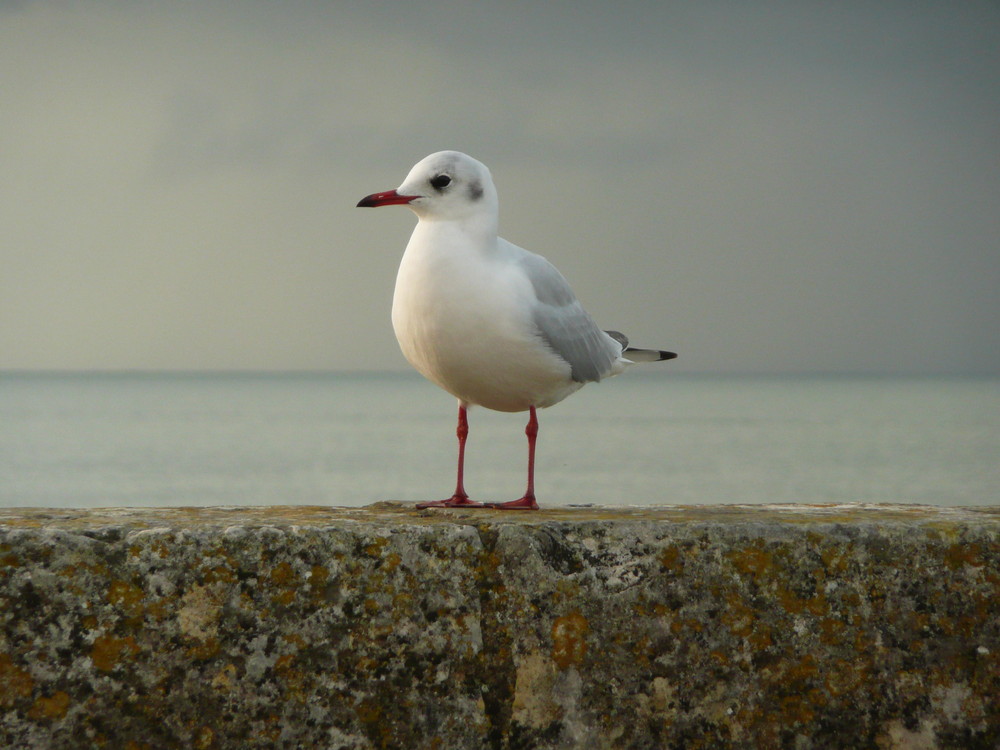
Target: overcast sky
x,y
805,187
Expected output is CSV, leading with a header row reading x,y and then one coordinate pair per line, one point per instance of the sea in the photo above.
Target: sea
x,y
197,439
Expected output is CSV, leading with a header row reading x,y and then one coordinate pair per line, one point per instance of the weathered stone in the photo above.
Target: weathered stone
x,y
385,627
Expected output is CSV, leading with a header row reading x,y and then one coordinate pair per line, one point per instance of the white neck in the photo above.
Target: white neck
x,y
478,229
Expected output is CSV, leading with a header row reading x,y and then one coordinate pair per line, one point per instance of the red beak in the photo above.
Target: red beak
x,y
388,198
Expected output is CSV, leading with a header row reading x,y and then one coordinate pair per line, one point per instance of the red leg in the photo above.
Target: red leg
x,y
460,499
528,501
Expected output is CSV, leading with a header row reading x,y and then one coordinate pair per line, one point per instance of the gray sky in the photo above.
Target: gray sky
x,y
759,187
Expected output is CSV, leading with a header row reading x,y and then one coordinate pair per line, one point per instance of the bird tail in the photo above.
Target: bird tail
x,y
639,355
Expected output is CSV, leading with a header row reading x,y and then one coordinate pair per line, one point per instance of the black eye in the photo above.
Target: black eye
x,y
440,182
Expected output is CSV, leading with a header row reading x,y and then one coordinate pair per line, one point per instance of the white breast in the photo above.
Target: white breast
x,y
463,319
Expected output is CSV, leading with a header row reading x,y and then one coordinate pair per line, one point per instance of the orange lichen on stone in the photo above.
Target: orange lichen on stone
x,y
375,548
107,650
318,576
690,624
738,617
569,645
836,558
76,574
202,650
217,573
719,657
225,678
796,605
50,708
957,555
753,560
844,677
127,597
831,631
283,574
760,638
293,679
14,682
205,738
671,559
368,712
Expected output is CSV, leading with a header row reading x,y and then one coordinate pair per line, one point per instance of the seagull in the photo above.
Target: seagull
x,y
489,322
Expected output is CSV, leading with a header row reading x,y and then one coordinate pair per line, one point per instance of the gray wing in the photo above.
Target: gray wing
x,y
565,326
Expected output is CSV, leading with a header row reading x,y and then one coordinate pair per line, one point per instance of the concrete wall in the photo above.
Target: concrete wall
x,y
386,627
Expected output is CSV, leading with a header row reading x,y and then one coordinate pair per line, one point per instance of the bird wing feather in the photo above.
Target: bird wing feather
x,y
565,326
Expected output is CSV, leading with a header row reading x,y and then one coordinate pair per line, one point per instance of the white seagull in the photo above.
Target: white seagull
x,y
487,321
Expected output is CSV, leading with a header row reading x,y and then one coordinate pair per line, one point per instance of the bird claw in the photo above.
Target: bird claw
x,y
525,503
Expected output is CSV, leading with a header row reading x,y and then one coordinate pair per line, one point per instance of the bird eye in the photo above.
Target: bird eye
x,y
440,182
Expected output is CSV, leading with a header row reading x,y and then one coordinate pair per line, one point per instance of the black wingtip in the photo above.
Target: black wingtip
x,y
647,355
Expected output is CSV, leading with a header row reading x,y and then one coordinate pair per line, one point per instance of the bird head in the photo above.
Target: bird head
x,y
447,185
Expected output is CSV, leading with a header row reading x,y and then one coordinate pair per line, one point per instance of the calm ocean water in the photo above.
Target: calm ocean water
x,y
336,439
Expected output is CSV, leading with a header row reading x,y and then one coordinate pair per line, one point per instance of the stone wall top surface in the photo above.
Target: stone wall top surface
x,y
405,513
